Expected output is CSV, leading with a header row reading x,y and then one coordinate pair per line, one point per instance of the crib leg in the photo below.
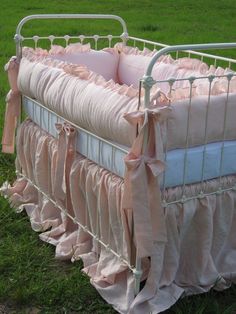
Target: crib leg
x,y
137,275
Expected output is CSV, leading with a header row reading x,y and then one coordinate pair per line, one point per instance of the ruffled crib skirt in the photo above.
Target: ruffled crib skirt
x,y
200,252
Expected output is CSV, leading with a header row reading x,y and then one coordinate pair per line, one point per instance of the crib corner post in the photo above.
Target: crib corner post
x,y
137,272
17,39
147,82
124,36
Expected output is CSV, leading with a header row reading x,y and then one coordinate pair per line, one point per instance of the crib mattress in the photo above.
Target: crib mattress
x,y
182,166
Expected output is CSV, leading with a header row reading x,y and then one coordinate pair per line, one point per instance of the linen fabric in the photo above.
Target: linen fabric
x,y
199,252
13,107
97,105
103,62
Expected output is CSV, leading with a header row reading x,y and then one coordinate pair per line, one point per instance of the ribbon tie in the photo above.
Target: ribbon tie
x,y
13,102
144,164
65,157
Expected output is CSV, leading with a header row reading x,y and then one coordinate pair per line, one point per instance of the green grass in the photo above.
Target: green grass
x,y
30,277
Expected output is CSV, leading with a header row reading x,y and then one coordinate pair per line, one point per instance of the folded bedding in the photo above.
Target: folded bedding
x,y
90,100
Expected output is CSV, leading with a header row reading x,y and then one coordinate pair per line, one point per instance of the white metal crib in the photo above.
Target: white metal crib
x,y
45,117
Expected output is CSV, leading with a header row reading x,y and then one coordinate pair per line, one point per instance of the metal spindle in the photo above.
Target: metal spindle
x,y
96,37
48,122
109,40
99,152
229,77
109,225
51,39
81,38
171,82
98,234
87,221
137,274
191,80
33,111
35,39
87,145
67,38
113,159
205,133
40,118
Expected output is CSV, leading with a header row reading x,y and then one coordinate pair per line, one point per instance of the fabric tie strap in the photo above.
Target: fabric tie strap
x,y
142,191
65,157
13,102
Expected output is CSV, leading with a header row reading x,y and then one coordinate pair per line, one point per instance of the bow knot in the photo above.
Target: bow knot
x,y
144,163
133,162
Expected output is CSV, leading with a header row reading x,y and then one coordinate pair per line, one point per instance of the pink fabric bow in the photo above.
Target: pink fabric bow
x,y
142,192
65,158
13,102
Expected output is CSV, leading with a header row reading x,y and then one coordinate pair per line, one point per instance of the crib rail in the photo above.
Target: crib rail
x,y
148,83
148,80
19,38
189,53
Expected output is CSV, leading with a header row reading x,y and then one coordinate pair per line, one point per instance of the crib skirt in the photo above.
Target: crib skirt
x,y
200,252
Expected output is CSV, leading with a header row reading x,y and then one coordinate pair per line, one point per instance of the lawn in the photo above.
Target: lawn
x,y
31,280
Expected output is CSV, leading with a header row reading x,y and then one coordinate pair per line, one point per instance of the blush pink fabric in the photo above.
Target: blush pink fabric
x,y
142,192
134,62
99,106
103,62
216,121
12,113
199,248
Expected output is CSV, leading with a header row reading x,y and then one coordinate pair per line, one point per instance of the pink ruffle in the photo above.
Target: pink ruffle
x,y
192,64
72,48
35,55
174,268
145,52
199,68
201,86
187,63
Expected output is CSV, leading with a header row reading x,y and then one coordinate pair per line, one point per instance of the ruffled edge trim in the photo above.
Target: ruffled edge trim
x,y
185,62
70,49
200,88
80,71
145,52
